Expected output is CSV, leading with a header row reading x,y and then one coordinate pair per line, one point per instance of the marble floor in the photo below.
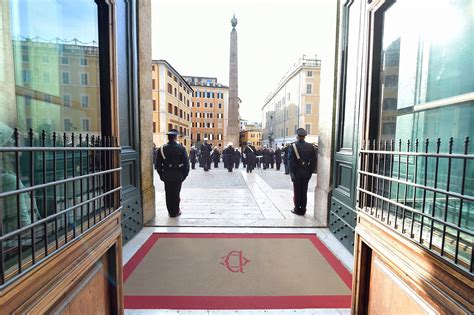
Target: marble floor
x,y
263,198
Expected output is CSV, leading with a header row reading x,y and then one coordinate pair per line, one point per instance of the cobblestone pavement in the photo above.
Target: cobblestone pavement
x,y
222,198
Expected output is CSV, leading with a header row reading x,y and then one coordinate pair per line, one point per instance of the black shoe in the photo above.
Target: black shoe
x,y
176,215
297,213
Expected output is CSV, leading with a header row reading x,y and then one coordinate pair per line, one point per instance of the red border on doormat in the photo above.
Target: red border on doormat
x,y
238,302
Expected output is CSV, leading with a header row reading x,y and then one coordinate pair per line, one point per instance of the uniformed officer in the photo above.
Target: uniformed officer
x,y
302,164
265,157
192,157
172,165
206,155
215,157
250,158
237,158
229,156
285,158
278,157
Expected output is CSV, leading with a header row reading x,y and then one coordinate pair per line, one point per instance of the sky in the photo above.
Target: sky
x,y
194,37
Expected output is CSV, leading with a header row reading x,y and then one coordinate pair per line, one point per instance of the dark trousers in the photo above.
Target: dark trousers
x,y
287,168
237,164
278,166
216,164
193,165
172,190
300,190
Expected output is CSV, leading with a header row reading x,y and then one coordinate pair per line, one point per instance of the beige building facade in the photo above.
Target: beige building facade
x,y
209,109
293,104
171,101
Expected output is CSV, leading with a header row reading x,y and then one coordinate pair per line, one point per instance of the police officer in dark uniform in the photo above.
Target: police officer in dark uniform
x,y
236,158
172,165
265,157
206,155
302,164
285,159
250,158
229,156
215,157
192,157
278,157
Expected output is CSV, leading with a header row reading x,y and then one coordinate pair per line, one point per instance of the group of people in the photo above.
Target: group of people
x,y
207,156
172,164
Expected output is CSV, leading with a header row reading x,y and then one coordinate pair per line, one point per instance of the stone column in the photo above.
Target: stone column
x,y
327,111
145,108
233,119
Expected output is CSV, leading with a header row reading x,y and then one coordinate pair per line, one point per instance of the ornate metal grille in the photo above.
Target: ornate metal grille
x,y
426,195
55,188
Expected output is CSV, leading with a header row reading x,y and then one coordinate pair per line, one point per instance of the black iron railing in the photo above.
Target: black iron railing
x,y
54,188
423,191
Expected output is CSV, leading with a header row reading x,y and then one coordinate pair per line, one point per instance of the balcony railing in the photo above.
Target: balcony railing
x,y
424,192
54,189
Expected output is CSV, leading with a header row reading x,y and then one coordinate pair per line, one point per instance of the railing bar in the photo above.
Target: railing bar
x,y
418,186
461,204
377,182
385,173
56,182
406,187
73,173
425,188
398,183
88,186
446,202
392,157
41,221
441,155
468,232
40,149
55,199
414,190
374,146
17,172
438,144
65,188
43,140
32,197
81,172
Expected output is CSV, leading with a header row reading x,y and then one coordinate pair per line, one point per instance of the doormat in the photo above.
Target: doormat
x,y
235,271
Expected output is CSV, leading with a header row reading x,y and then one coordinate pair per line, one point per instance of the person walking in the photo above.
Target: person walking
x,y
237,158
192,157
302,164
229,156
285,159
216,156
206,155
271,157
172,165
278,157
265,157
250,159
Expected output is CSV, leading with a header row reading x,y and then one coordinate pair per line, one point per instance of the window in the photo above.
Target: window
x,y
84,79
26,76
308,109
175,92
220,105
85,124
198,104
208,94
211,105
180,96
28,100
309,73
175,79
176,110
67,100
83,62
154,127
154,105
170,108
153,84
391,81
390,103
308,128
309,88
205,105
64,60
181,113
67,124
170,88
169,74
85,100
46,77
65,78
170,126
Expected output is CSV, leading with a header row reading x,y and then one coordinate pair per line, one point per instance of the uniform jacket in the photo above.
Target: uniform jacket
x,y
174,166
304,167
278,155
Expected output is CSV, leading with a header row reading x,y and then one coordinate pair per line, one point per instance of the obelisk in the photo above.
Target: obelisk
x,y
233,112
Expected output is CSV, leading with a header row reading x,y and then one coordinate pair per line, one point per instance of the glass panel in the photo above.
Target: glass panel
x,y
49,81
426,90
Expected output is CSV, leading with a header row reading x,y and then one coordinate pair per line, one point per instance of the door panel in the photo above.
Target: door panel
x,y
342,215
132,214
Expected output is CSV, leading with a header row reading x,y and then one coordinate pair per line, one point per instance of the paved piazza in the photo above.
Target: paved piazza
x,y
263,198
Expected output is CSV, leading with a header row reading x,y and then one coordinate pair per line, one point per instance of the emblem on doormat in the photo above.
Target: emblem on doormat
x,y
234,261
